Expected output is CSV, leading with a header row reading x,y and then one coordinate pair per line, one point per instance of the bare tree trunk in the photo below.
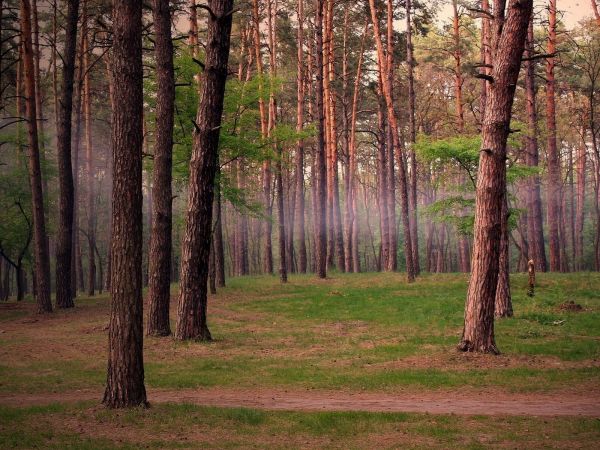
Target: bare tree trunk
x,y
300,198
580,168
352,250
42,262
89,157
64,242
554,176
534,202
218,238
508,42
596,13
393,123
320,163
503,301
412,132
125,375
281,219
159,271
77,266
191,314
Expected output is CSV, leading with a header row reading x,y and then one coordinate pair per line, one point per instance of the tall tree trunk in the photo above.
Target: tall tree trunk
x,y
77,265
580,168
392,262
535,225
89,159
64,242
352,250
191,314
508,42
159,271
300,197
382,179
412,134
393,123
281,219
125,378
554,175
42,262
320,163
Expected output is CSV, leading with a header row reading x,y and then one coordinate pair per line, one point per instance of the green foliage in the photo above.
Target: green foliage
x,y
460,150
15,204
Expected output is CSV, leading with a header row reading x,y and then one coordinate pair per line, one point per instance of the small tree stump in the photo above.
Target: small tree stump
x,y
531,271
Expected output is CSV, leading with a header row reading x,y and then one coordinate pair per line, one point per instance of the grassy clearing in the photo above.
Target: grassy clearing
x,y
350,332
84,426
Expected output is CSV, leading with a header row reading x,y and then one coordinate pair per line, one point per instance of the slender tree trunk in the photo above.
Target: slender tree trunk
x,y
159,271
393,123
580,168
554,175
508,42
77,265
503,301
382,179
42,262
191,314
281,219
300,198
320,163
125,377
89,157
537,251
412,132
218,237
64,242
352,250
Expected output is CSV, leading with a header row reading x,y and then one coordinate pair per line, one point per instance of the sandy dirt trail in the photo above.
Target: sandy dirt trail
x,y
310,400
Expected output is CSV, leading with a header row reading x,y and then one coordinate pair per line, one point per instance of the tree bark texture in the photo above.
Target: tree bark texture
x,y
125,375
191,314
159,271
508,42
42,261
64,242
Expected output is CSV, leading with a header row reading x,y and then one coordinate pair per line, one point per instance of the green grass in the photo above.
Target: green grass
x,y
350,332
87,426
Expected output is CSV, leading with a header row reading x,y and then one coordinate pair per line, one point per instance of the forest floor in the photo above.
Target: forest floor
x,y
353,361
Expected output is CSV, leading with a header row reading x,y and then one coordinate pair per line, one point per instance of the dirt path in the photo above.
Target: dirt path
x,y
296,400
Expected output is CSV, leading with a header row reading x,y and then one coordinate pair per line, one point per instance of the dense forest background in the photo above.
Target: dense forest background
x,y
265,189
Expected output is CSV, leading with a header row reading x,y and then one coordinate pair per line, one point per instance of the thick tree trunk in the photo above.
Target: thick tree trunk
x,y
159,271
64,242
554,175
191,314
537,251
42,262
508,43
125,378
